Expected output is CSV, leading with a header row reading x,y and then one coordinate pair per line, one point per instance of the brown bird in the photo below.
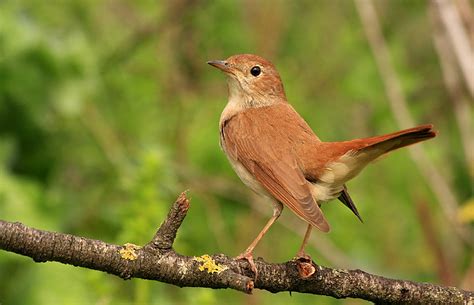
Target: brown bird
x,y
275,153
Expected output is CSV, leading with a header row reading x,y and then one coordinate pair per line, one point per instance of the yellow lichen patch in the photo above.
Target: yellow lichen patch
x,y
128,252
209,264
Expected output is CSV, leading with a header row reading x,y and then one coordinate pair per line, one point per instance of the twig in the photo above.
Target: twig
x,y
451,19
445,268
437,182
141,35
467,15
158,261
453,83
166,234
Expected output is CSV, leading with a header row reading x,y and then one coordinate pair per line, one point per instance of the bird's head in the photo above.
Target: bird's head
x,y
252,80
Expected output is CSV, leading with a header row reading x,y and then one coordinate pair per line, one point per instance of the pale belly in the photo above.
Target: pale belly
x,y
247,178
323,192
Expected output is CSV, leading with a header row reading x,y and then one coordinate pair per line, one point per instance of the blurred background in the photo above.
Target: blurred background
x,y
108,111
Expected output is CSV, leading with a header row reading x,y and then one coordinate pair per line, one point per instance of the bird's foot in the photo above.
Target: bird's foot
x,y
302,256
248,256
304,263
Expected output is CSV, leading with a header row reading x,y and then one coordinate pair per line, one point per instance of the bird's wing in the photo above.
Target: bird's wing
x,y
267,153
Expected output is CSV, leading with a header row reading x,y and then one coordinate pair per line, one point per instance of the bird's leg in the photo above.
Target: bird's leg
x,y
247,254
301,253
304,262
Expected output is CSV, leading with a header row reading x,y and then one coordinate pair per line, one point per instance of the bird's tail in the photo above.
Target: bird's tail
x,y
381,145
357,154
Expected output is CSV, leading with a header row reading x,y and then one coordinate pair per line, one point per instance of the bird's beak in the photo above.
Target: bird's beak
x,y
220,64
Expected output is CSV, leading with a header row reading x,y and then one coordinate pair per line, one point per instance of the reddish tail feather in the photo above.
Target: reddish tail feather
x,y
374,147
401,138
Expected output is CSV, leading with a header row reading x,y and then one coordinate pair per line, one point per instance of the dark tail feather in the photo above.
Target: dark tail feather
x,y
404,137
347,200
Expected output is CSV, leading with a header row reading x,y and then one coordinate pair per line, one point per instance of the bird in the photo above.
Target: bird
x,y
276,153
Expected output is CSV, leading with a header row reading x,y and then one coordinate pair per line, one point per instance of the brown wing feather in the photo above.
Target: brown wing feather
x,y
273,163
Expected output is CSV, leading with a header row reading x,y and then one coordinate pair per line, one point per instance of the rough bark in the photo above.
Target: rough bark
x,y
158,261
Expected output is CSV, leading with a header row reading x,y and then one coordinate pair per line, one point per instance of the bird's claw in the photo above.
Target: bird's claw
x,y
304,264
248,256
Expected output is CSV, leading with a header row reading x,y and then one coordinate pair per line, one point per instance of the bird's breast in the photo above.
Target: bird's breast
x,y
247,178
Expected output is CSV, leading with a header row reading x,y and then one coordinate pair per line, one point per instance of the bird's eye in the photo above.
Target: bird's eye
x,y
255,71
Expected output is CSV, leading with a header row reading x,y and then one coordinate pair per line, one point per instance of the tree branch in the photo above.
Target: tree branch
x,y
158,261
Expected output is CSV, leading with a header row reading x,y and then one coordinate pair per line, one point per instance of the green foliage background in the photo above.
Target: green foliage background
x,y
108,111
